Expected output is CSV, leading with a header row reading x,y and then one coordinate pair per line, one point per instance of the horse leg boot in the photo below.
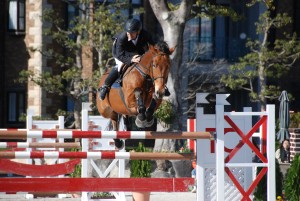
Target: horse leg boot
x,y
141,118
167,92
115,126
150,112
111,78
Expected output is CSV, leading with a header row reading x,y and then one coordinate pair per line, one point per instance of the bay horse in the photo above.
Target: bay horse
x,y
141,90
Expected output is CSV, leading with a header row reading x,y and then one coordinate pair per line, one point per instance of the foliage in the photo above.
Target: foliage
x,y
292,182
91,30
77,171
209,9
204,8
184,148
23,117
75,46
260,192
140,168
99,195
266,61
165,113
295,120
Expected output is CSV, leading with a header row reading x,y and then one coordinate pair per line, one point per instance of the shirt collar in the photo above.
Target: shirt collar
x,y
135,40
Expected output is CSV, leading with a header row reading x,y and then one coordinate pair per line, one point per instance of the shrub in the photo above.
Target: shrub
x,y
292,182
260,192
165,113
140,168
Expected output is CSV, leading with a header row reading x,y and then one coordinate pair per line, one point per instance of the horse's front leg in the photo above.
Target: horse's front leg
x,y
150,112
141,117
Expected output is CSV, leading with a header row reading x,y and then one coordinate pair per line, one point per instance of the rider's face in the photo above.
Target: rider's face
x,y
132,35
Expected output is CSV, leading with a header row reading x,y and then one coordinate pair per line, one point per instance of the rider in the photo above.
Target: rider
x,y
128,47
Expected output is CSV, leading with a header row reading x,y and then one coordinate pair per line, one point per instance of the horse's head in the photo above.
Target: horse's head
x,y
160,67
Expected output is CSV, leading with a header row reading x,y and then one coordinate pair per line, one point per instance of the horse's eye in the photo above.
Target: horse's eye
x,y
154,65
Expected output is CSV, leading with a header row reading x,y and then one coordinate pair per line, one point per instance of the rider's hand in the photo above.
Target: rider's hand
x,y
136,59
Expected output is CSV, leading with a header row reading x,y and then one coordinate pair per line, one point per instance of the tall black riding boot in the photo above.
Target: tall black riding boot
x,y
111,78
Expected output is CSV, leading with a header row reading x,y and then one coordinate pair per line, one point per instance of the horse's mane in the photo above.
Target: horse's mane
x,y
163,47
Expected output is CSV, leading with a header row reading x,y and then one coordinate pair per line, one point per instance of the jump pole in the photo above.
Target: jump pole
x,y
62,185
39,145
103,134
96,155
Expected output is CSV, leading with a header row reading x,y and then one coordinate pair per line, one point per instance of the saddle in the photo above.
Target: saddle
x,y
118,82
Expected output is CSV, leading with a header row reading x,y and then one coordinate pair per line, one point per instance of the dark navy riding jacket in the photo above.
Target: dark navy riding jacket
x,y
124,50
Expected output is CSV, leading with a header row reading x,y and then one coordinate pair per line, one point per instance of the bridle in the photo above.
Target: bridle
x,y
150,68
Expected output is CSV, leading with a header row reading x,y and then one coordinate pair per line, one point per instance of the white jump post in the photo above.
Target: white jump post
x,y
84,144
224,165
271,153
104,145
220,145
44,124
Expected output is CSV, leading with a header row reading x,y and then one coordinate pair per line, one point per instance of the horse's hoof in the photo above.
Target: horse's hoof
x,y
119,143
139,123
149,123
141,117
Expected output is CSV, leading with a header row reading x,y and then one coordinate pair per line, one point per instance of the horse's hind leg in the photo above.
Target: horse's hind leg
x,y
115,124
127,123
141,117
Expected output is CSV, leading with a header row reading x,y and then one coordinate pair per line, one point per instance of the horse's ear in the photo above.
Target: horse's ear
x,y
172,49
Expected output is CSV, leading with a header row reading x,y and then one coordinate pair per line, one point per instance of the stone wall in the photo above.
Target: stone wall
x,y
43,103
294,142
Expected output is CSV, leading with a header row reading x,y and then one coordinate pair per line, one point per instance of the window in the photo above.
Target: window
x,y
207,39
138,2
16,18
219,37
16,106
199,39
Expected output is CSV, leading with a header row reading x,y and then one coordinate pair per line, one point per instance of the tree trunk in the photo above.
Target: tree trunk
x,y
77,112
261,72
172,23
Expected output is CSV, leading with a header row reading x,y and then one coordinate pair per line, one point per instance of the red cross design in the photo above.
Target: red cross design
x,y
245,140
212,142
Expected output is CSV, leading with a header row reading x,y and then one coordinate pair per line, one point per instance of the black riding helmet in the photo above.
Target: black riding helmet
x,y
133,25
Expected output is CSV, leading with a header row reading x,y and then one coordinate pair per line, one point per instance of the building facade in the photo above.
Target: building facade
x,y
22,30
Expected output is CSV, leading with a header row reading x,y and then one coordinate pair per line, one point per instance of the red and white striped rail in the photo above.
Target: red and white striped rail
x,y
12,129
96,155
103,134
39,145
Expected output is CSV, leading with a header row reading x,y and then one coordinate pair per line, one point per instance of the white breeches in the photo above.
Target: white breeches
x,y
119,64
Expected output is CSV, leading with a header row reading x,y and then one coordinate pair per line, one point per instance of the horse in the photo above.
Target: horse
x,y
141,90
